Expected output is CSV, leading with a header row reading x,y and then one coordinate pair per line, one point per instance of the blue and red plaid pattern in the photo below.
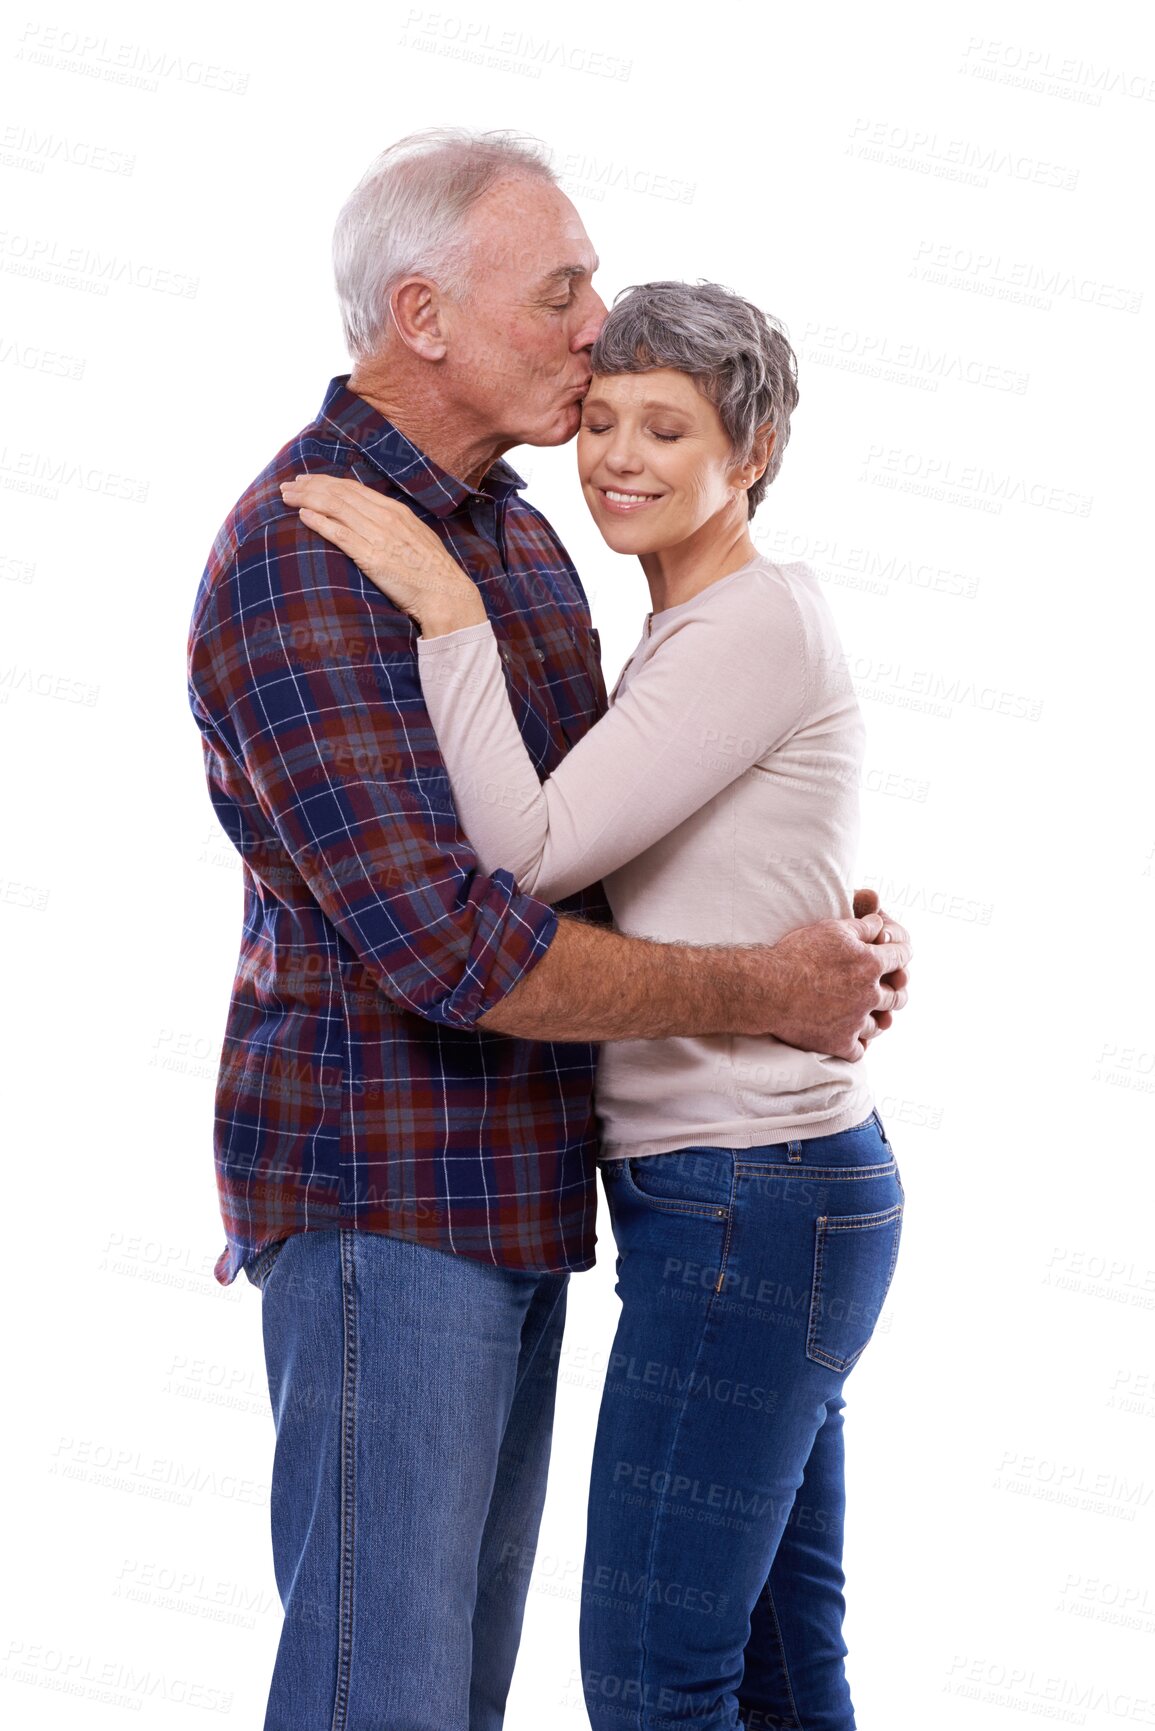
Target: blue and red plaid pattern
x,y
355,1089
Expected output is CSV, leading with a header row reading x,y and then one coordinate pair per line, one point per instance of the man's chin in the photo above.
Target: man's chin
x,y
559,431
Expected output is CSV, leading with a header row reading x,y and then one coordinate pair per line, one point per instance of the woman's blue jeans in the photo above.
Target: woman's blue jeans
x,y
750,1280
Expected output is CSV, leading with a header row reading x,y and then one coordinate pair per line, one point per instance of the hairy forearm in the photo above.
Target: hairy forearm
x,y
596,984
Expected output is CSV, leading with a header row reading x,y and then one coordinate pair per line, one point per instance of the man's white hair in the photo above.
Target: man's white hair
x,y
407,213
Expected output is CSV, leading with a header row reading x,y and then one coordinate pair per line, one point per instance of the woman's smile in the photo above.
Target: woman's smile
x,y
623,502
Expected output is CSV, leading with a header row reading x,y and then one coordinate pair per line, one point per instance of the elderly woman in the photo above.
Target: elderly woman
x,y
754,1197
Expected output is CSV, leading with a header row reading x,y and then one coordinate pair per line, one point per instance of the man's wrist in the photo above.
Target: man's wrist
x,y
757,971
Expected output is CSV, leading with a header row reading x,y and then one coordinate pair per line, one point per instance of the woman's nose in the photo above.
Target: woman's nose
x,y
622,458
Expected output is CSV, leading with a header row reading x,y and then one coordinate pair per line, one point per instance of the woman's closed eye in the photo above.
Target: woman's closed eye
x,y
598,427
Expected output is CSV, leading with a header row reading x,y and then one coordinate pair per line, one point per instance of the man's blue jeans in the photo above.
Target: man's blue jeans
x,y
413,1394
750,1280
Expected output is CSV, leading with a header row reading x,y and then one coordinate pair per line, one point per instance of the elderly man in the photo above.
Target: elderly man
x,y
405,1138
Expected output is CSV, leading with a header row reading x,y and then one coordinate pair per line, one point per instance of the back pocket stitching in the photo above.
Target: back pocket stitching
x,y
836,1174
859,1222
827,1224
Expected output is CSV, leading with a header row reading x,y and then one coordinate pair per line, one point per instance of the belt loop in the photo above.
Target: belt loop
x,y
794,1151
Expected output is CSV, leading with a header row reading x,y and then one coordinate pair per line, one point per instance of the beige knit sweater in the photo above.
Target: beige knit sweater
x,y
717,800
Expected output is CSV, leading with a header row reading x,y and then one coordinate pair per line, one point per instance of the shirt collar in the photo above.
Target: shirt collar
x,y
387,448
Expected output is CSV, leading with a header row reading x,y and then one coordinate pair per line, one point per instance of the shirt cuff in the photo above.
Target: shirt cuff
x,y
451,639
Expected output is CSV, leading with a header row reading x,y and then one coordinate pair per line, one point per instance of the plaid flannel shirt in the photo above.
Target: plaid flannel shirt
x,y
355,1089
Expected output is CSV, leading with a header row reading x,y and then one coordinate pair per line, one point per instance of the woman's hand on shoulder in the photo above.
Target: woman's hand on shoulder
x,y
398,553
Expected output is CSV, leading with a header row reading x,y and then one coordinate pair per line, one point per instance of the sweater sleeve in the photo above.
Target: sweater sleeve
x,y
724,685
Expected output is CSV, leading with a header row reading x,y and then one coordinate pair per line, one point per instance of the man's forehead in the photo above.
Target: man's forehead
x,y
532,227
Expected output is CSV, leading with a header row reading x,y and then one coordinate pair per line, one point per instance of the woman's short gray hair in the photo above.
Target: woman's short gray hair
x,y
406,215
737,355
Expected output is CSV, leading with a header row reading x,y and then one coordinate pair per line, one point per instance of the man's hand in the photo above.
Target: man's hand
x,y
838,979
866,902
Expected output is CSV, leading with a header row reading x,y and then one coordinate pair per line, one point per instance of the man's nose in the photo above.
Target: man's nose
x,y
591,324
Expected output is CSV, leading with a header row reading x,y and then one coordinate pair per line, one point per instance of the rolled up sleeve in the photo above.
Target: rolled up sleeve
x,y
307,678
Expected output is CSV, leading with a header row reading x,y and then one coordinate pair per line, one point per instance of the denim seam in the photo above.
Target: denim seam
x,y
731,1210
485,1587
782,1655
649,1575
893,1254
347,1480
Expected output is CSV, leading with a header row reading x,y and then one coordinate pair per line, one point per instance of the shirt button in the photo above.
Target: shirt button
x,y
540,653
505,652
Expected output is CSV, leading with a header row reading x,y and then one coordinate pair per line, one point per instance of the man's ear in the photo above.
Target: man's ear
x,y
419,317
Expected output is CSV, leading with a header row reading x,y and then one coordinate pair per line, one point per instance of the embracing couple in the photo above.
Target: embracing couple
x,y
501,934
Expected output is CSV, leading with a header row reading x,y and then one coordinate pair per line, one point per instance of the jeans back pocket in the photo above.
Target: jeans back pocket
x,y
854,1257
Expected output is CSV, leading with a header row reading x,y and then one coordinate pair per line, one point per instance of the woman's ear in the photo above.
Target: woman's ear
x,y
755,467
418,316
763,445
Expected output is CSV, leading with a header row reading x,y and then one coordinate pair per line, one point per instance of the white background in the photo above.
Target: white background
x,y
949,208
